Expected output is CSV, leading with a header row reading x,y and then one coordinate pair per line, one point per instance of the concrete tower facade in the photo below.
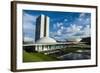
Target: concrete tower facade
x,y
42,27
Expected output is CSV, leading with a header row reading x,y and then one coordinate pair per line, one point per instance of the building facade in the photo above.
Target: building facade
x,y
42,27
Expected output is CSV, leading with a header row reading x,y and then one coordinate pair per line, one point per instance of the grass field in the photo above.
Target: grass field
x,y
36,57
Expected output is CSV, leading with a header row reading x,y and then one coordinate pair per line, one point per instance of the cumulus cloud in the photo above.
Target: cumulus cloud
x,y
73,28
29,22
81,31
73,31
65,20
87,31
79,28
83,19
28,39
29,18
59,32
59,24
81,15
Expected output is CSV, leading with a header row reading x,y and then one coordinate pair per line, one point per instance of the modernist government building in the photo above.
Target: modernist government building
x,y
42,40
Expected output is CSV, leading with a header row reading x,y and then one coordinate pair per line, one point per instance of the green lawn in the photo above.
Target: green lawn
x,y
36,57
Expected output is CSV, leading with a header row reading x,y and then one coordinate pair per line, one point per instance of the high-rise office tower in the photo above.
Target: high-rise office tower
x,y
42,29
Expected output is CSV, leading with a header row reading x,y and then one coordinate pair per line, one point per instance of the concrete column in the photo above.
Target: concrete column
x,y
42,26
47,26
35,47
38,48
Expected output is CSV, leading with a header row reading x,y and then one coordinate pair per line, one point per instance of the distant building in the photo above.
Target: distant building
x,y
87,40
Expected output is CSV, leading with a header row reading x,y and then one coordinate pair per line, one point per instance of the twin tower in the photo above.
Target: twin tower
x,y
42,30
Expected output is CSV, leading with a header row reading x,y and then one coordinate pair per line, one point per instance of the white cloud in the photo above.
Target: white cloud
x,y
29,18
79,28
86,31
80,19
83,19
59,32
73,28
59,24
29,21
82,15
28,39
28,25
65,20
73,31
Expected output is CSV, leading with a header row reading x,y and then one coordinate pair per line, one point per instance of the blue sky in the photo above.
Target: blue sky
x,y
63,25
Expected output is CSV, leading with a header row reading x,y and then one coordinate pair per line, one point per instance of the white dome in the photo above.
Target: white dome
x,y
75,39
45,40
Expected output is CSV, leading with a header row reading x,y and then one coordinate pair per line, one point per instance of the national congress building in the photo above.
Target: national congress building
x,y
42,40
